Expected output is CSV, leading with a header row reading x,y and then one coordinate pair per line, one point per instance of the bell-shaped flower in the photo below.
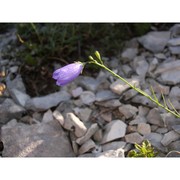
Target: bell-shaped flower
x,y
67,73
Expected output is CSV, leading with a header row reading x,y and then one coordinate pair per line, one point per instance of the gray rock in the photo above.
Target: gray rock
x,y
140,99
16,83
87,97
129,94
98,135
174,50
48,116
114,130
169,72
37,140
119,86
87,146
46,102
144,128
19,97
155,118
105,95
90,83
158,88
175,92
175,31
143,111
174,42
127,70
9,110
77,92
176,128
59,117
170,137
137,120
128,111
141,66
113,145
129,54
112,153
73,123
155,140
152,66
169,120
109,103
90,132
97,149
174,145
134,138
155,41
83,113
162,130
160,56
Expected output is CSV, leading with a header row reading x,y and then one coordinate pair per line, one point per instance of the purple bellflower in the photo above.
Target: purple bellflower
x,y
67,73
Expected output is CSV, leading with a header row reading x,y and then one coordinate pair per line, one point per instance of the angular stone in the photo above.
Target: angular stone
x,y
19,97
128,111
175,31
176,128
90,83
158,88
141,66
174,49
174,145
131,129
109,103
160,56
174,42
140,99
73,123
36,140
97,149
113,145
127,70
46,102
9,110
173,154
112,153
83,113
87,146
105,95
155,140
161,130
137,120
114,130
98,135
169,72
87,97
155,41
119,86
155,118
48,116
129,94
175,92
16,83
129,54
134,138
58,116
77,92
170,137
144,128
90,132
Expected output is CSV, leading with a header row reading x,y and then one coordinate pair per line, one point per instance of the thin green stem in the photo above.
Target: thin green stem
x,y
175,113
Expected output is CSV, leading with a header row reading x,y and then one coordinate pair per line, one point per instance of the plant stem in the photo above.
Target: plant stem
x,y
175,113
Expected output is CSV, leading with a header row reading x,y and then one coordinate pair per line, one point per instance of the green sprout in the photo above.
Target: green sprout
x,y
98,61
144,150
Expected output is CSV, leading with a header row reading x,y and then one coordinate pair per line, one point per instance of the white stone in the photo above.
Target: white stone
x,y
73,123
58,116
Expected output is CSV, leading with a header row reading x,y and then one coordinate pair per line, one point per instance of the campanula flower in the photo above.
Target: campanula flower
x,y
67,73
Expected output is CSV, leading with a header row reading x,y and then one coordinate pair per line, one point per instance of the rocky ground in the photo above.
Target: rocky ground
x,y
96,116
